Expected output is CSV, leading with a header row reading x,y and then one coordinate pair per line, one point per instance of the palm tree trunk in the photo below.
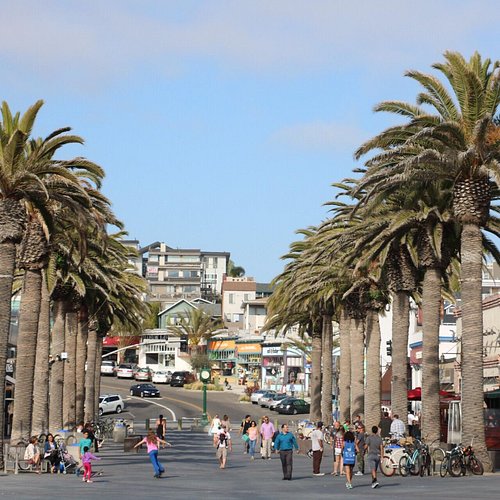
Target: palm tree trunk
x,y
400,327
69,388
25,355
372,393
357,367
472,342
81,357
7,262
90,374
57,370
345,367
40,419
316,372
326,390
98,362
431,303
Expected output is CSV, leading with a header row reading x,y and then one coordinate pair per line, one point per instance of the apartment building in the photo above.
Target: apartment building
x,y
183,273
235,292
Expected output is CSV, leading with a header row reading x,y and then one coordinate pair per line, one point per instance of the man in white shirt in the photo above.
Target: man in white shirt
x,y
398,428
223,444
412,420
317,448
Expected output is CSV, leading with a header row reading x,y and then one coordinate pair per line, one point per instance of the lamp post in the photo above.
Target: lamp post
x,y
205,378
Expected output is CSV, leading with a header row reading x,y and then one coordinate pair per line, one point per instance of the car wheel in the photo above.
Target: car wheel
x,y
118,409
295,411
100,412
142,394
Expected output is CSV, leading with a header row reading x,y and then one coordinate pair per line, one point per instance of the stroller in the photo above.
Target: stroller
x,y
67,464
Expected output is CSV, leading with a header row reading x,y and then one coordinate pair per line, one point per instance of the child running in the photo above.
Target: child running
x,y
153,442
87,458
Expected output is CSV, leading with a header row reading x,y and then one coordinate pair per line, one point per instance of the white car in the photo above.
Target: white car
x,y
161,377
255,397
110,403
108,367
125,370
267,399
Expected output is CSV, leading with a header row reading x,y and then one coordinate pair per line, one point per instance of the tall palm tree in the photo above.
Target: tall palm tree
x,y
456,141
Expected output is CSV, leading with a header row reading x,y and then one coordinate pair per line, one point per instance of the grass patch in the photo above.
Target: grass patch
x,y
198,386
244,398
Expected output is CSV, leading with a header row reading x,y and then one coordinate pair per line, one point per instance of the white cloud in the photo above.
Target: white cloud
x,y
95,40
320,135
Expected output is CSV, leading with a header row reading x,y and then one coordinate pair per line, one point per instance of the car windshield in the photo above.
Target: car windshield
x,y
108,363
148,386
125,367
101,400
160,373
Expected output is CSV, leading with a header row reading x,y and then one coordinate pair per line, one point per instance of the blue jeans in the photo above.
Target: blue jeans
x,y
157,466
252,444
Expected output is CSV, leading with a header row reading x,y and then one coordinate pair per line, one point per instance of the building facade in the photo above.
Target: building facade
x,y
235,292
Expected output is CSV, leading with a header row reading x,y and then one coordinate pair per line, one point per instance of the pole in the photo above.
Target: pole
x,y
204,418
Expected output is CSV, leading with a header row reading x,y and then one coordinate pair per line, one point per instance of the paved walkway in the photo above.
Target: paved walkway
x,y
192,472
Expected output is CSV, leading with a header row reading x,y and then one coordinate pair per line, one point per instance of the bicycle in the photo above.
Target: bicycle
x,y
389,462
444,468
410,462
465,459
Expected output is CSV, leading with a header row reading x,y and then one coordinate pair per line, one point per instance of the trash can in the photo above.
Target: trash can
x,y
130,442
119,431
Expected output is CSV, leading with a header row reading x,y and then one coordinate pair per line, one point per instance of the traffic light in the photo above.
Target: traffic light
x,y
389,348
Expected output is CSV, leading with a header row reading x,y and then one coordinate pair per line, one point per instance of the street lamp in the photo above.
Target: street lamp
x,y
205,378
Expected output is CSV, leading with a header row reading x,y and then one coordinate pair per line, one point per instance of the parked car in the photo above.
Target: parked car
x,y
266,398
266,402
162,377
110,403
108,367
145,390
274,405
293,407
143,374
254,398
125,370
180,378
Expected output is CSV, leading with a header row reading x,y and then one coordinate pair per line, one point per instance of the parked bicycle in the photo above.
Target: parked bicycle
x,y
464,459
411,461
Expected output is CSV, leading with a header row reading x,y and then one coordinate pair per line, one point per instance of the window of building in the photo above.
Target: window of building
x,y
153,258
190,274
189,289
173,273
151,359
246,297
237,317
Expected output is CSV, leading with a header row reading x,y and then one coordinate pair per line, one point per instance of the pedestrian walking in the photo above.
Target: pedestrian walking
x,y
214,426
223,444
227,424
375,449
349,449
253,434
317,448
338,441
360,450
161,427
245,424
153,442
267,431
285,443
87,458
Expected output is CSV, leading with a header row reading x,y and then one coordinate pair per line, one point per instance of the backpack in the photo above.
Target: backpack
x,y
349,453
222,439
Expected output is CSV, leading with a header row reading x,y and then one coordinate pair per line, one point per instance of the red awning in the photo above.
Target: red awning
x,y
416,394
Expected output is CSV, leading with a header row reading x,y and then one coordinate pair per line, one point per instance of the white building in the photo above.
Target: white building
x,y
236,291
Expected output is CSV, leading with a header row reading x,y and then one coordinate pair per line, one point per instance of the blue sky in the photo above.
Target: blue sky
x,y
222,124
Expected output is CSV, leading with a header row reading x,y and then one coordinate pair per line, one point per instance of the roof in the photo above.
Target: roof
x,y
238,286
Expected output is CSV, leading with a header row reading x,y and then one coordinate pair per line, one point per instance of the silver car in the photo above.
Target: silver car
x,y
255,397
125,370
108,367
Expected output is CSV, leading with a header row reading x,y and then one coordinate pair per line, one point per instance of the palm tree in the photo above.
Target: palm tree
x,y
235,271
458,142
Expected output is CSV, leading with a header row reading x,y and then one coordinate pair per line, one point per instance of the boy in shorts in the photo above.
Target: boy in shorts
x,y
375,449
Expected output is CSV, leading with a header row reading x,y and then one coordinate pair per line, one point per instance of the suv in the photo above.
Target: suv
x,y
180,378
108,367
110,403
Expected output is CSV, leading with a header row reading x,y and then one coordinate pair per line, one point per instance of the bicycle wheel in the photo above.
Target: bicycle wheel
x,y
438,455
404,465
456,466
416,466
443,468
476,466
387,466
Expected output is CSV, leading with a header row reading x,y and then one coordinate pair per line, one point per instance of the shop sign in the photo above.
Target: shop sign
x,y
249,348
221,345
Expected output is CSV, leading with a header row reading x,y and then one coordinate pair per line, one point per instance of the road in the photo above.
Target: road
x,y
176,402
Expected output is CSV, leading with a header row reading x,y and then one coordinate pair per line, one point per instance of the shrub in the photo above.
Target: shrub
x,y
198,386
250,390
244,398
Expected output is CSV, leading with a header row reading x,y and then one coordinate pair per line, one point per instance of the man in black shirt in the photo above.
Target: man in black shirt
x,y
245,425
385,425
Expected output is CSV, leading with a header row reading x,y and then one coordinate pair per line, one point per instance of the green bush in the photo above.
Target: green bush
x,y
198,386
244,398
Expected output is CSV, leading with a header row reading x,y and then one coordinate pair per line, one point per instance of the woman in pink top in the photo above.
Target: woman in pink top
x,y
152,442
253,432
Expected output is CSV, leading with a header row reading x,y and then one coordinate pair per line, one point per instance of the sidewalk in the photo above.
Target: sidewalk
x,y
192,472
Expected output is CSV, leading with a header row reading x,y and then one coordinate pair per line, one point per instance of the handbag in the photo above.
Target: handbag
x,y
245,438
